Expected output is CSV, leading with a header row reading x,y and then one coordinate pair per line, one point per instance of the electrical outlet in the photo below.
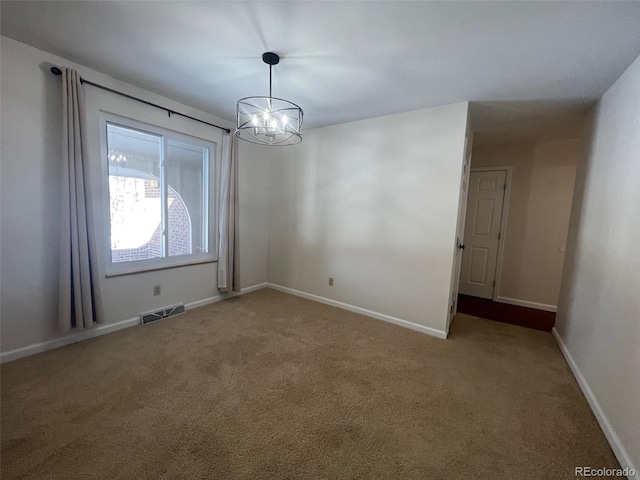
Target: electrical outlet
x,y
331,281
156,290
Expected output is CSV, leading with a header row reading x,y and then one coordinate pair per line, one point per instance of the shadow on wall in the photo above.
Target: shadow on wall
x,y
539,208
527,121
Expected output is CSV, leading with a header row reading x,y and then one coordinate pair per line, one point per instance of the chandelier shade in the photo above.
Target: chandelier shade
x,y
268,120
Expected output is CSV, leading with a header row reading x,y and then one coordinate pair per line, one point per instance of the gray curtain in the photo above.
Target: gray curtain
x,y
80,299
229,244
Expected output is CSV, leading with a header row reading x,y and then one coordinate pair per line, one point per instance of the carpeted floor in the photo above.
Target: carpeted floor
x,y
269,385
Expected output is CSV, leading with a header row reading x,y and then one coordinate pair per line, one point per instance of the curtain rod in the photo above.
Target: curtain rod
x,y
57,71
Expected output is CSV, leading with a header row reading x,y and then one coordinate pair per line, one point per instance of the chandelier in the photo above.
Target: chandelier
x,y
268,120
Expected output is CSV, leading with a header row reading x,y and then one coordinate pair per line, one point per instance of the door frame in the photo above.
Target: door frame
x,y
459,239
503,222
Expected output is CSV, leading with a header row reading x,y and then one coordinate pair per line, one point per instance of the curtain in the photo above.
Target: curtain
x,y
229,240
80,299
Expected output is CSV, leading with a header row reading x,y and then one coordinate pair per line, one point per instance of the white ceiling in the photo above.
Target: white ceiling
x,y
345,61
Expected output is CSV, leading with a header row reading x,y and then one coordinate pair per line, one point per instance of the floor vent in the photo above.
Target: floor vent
x,y
160,314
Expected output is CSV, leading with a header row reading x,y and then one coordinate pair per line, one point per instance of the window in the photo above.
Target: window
x,y
159,195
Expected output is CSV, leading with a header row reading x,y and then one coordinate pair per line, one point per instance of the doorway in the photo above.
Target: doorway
x,y
484,231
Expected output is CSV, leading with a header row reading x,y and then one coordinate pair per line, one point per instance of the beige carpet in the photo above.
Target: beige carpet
x,y
269,385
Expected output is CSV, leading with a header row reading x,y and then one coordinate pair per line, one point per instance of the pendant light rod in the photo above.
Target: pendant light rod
x,y
270,59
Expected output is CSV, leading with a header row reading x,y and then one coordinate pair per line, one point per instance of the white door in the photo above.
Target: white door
x,y
457,262
482,232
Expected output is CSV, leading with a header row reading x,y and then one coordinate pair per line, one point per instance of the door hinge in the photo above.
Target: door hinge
x,y
499,234
494,283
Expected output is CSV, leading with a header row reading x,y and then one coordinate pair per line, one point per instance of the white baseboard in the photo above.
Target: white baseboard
x,y
363,311
106,328
612,437
67,339
204,301
253,288
222,296
525,303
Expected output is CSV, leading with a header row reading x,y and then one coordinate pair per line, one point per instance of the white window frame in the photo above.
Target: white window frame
x,y
209,212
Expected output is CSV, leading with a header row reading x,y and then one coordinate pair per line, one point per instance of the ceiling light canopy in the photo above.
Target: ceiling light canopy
x,y
268,120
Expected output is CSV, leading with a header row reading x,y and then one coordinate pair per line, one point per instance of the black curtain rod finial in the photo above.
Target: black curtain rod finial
x,y
56,71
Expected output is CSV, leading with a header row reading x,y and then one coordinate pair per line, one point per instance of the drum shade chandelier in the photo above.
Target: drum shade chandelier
x,y
268,120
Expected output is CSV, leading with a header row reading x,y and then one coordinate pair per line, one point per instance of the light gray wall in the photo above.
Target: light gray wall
x,y
598,314
30,197
373,204
254,214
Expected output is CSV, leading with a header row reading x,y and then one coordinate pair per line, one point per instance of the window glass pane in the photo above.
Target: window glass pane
x,y
186,170
134,194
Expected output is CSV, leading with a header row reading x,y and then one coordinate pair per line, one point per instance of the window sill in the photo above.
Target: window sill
x,y
154,268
